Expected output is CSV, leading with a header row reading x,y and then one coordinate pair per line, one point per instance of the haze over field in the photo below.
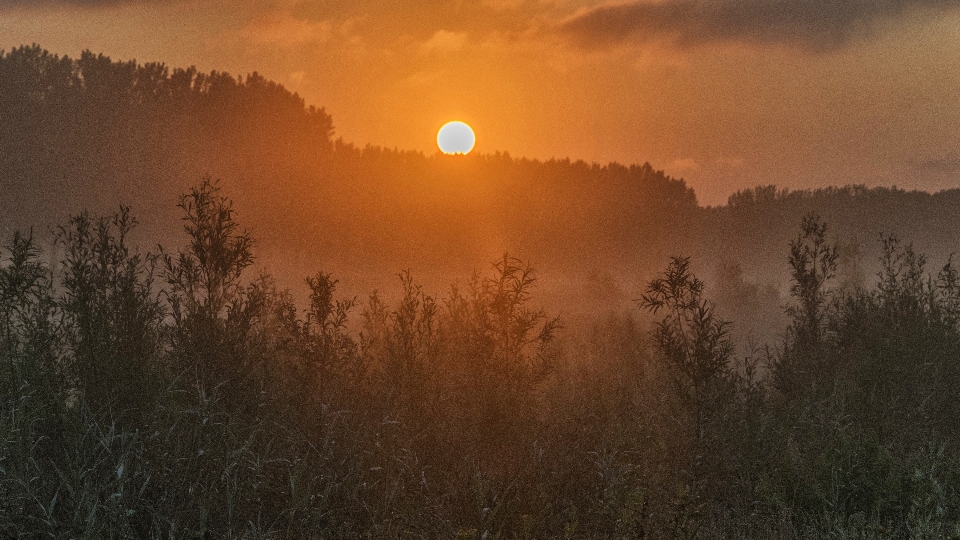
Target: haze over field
x,y
726,94
94,133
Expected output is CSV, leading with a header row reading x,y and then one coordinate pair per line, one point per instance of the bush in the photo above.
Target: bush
x,y
208,404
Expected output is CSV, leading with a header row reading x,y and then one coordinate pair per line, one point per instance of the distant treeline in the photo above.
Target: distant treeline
x,y
858,214
92,129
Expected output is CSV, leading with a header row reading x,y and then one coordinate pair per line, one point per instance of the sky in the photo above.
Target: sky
x,y
727,94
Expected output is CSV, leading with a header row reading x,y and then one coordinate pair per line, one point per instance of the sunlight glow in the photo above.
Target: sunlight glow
x,y
456,138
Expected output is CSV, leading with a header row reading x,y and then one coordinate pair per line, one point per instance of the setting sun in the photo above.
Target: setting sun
x,y
456,138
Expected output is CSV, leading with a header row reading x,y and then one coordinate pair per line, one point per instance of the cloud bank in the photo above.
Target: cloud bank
x,y
444,41
819,25
283,30
948,165
9,4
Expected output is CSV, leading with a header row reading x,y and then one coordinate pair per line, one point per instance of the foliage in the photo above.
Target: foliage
x,y
207,403
813,263
111,313
689,336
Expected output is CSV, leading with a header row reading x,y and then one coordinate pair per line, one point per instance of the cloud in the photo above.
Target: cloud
x,y
422,79
296,79
819,25
8,4
948,165
504,5
285,30
444,41
683,165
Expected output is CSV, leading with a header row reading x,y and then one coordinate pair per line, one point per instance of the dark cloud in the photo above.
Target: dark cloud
x,y
810,24
7,4
947,165
423,17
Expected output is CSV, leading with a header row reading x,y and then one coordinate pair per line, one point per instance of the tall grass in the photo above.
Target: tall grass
x,y
171,395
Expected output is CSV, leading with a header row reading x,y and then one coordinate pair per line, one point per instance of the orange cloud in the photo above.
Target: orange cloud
x,y
818,25
284,30
444,41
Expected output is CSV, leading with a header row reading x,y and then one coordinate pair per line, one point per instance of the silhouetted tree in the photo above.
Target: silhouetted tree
x,y
31,341
112,313
690,337
211,308
813,262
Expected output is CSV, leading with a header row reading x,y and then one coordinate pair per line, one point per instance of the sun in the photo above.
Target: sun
x,y
456,138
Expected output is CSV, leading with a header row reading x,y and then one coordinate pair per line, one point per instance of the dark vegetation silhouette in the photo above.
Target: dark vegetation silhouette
x,y
164,394
188,392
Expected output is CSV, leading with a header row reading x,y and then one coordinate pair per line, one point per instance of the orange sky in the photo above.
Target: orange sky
x,y
725,93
